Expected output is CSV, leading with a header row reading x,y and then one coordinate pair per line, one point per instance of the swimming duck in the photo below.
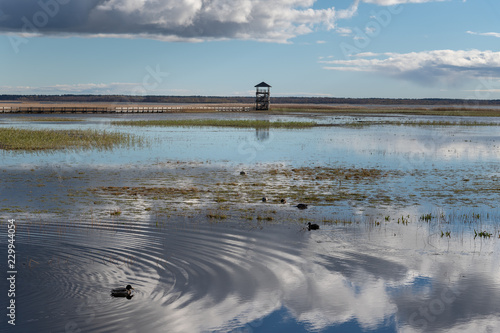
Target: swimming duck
x,y
301,206
122,292
264,199
283,201
312,226
243,173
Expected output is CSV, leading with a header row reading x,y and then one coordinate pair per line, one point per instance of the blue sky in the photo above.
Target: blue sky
x,y
345,48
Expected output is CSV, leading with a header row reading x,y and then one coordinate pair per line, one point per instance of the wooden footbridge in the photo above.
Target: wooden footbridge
x,y
121,109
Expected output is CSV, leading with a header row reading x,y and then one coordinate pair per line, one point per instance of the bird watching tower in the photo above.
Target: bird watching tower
x,y
262,96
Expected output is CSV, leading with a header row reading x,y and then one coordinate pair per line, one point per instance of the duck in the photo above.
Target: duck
x,y
283,201
312,226
243,173
122,292
264,199
301,206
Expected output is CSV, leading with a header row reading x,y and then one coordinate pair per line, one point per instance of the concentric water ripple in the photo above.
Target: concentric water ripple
x,y
202,277
176,268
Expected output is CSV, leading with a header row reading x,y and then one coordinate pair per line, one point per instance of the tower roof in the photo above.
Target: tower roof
x,y
262,85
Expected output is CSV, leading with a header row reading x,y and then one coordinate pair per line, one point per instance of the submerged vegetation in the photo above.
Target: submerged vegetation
x,y
17,139
239,123
320,186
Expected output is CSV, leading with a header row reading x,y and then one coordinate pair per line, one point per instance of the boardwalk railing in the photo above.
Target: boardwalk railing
x,y
119,109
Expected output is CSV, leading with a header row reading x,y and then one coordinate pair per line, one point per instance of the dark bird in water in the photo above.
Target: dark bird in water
x,y
122,292
312,226
243,173
264,199
283,201
301,206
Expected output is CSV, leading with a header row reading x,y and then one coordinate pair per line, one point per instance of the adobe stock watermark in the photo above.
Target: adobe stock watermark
x,y
11,272
252,146
364,36
87,310
429,313
32,25
423,152
152,80
483,90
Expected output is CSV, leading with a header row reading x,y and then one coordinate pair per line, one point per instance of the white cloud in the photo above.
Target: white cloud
x,y
344,31
366,54
177,20
115,88
184,20
398,2
426,67
489,34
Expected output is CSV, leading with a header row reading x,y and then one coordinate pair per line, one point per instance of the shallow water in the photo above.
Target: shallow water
x,y
199,264
194,276
387,146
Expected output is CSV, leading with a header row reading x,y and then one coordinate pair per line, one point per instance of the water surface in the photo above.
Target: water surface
x,y
218,259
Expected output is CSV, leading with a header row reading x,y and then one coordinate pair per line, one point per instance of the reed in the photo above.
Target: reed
x,y
49,119
360,110
16,139
238,123
422,123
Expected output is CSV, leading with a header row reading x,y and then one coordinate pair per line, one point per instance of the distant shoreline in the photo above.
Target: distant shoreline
x,y
28,107
118,99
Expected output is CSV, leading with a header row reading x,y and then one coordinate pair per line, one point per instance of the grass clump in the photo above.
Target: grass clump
x,y
422,123
45,139
483,234
49,119
426,217
238,123
115,213
360,110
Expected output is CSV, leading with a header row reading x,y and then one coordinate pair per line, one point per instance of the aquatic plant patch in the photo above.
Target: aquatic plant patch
x,y
360,110
238,123
17,139
49,119
423,123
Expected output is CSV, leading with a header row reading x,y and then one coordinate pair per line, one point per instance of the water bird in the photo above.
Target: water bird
x,y
312,226
264,199
283,201
301,206
122,292
243,173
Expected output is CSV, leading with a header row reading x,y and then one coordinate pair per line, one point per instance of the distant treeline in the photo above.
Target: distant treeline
x,y
243,99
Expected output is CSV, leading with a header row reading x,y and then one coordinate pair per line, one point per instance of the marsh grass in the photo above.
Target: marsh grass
x,y
423,123
238,123
360,110
49,119
483,234
305,184
17,139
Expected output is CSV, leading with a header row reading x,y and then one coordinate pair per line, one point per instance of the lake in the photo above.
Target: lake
x,y
408,217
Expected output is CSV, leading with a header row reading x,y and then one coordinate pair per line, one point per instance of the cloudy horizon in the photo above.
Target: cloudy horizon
x,y
345,48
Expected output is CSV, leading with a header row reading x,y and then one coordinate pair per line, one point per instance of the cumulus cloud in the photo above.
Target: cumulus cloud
x,y
427,67
185,20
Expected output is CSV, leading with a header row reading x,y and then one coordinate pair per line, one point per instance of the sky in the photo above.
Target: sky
x,y
325,48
